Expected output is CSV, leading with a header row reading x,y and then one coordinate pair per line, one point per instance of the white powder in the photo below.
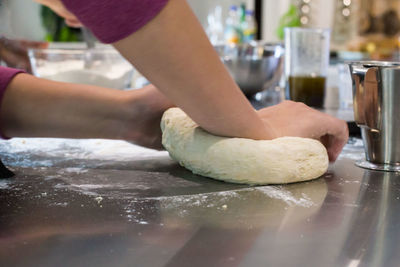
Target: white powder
x,y
354,150
286,196
81,190
273,192
114,75
93,186
5,184
48,151
75,170
98,199
115,191
59,204
224,203
86,76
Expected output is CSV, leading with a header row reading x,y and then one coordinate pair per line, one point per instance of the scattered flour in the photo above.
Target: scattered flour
x,y
286,196
31,152
60,204
92,186
274,192
219,206
81,190
75,170
25,152
5,184
98,199
354,150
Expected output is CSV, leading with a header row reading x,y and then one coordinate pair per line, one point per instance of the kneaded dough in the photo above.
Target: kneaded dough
x,y
240,160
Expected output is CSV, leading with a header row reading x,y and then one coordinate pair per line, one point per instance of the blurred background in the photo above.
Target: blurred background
x,y
367,26
35,24
360,29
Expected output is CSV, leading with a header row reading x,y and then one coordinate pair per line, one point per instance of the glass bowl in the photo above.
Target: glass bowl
x,y
101,66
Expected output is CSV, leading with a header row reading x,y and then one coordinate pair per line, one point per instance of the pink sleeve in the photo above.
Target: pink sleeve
x,y
113,20
6,75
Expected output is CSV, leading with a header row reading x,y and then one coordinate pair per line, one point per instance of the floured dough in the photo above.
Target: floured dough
x,y
240,160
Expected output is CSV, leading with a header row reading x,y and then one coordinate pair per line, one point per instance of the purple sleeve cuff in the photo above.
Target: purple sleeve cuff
x,y
112,20
6,75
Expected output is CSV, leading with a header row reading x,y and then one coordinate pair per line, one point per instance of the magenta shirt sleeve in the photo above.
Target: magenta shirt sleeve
x,y
113,20
6,75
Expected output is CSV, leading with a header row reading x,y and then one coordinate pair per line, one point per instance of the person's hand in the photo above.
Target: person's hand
x,y
58,7
14,52
148,106
296,119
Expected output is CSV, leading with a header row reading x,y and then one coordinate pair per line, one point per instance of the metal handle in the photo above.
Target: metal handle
x,y
366,97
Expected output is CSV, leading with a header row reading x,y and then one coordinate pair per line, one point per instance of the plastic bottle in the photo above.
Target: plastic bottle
x,y
232,33
215,28
242,13
249,27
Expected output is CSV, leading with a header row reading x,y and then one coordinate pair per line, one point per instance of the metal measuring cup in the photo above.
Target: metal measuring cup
x,y
376,102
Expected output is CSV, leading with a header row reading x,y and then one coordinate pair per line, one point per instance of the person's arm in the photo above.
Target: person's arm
x,y
33,107
173,52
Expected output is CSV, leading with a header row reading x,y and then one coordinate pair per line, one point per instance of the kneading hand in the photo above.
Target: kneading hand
x,y
296,119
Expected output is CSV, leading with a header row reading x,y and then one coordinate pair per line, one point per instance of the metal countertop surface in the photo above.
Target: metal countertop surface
x,y
110,203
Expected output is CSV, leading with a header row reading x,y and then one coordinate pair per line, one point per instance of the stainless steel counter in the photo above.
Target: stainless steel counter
x,y
109,203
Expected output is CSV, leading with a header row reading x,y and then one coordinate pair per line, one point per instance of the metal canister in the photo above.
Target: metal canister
x,y
376,102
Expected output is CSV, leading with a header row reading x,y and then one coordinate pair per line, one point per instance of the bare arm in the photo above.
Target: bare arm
x,y
173,52
34,107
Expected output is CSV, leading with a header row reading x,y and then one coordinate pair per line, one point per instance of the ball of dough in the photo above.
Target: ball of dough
x,y
240,160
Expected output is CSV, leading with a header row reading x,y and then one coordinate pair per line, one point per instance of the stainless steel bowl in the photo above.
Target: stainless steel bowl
x,y
255,66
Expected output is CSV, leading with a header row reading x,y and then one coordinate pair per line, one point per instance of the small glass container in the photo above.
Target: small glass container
x,y
306,64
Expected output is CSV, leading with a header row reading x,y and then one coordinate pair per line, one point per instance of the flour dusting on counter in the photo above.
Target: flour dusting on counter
x,y
147,185
354,150
31,152
286,196
272,192
228,208
75,170
5,184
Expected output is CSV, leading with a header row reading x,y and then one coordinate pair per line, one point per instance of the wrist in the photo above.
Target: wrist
x,y
269,131
145,108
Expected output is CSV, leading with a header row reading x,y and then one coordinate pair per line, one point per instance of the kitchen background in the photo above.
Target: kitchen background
x,y
349,19
361,29
29,25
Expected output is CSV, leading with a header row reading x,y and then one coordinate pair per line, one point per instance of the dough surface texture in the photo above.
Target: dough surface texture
x,y
239,160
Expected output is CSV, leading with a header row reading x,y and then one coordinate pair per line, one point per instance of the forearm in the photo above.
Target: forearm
x,y
174,53
33,107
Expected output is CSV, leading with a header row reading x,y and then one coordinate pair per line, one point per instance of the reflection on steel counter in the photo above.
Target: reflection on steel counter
x,y
5,172
373,232
145,210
